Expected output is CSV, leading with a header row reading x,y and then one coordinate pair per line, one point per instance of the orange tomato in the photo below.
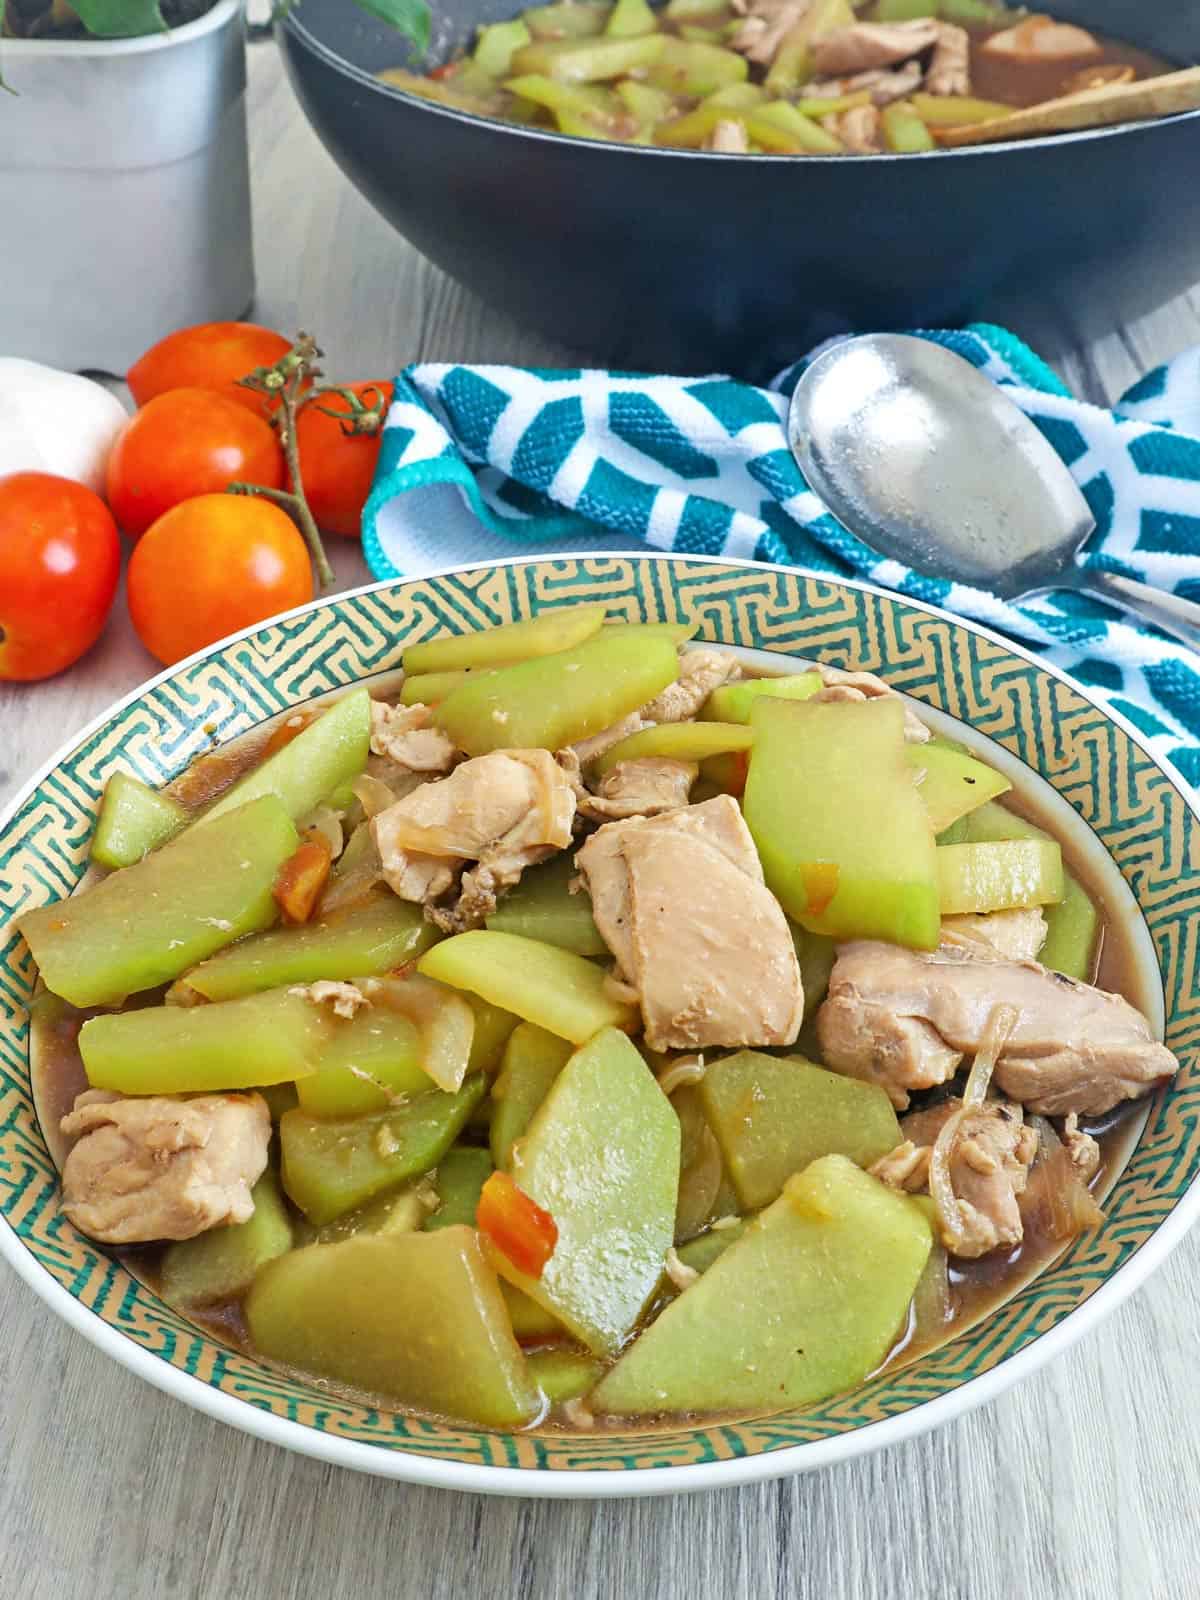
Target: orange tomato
x,y
337,468
60,559
213,565
212,355
516,1224
183,443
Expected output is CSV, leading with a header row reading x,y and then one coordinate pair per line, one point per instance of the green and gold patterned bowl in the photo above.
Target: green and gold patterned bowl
x,y
1139,811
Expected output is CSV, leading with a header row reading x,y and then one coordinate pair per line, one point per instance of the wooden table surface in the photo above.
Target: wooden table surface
x,y
1080,1483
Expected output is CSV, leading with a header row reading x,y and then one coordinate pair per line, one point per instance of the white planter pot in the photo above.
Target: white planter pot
x,y
124,191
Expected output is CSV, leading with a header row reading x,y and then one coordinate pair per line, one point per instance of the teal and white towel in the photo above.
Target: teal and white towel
x,y
480,463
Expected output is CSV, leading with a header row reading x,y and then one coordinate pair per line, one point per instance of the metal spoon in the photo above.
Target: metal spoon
x,y
928,462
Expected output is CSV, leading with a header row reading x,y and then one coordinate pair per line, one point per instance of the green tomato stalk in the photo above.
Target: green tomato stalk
x,y
291,384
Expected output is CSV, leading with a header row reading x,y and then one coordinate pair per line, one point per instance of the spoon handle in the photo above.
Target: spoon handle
x,y
1171,613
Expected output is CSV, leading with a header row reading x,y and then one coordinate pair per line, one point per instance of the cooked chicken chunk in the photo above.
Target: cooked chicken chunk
x,y
643,787
729,138
885,85
588,749
700,672
505,811
159,1168
905,1019
840,685
863,46
406,736
1082,1150
343,999
978,1165
1017,935
1040,38
906,1167
680,901
858,129
950,65
975,1162
767,25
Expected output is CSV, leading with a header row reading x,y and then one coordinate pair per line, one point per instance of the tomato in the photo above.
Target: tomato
x,y
337,468
183,443
213,355
516,1224
60,559
211,566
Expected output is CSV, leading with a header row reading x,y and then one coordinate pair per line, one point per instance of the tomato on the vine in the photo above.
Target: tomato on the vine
x,y
337,467
60,559
184,443
212,355
213,565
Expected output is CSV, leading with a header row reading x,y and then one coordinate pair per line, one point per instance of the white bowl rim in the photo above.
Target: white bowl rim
x,y
602,1483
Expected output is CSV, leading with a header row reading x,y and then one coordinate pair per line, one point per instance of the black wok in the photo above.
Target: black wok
x,y
691,261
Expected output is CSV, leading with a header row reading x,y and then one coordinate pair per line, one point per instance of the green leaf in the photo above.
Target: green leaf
x,y
119,19
409,17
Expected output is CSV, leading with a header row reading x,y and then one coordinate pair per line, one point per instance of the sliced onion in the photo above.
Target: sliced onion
x,y
996,1030
444,1022
373,795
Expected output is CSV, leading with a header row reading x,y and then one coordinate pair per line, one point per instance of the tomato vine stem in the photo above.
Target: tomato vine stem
x,y
291,383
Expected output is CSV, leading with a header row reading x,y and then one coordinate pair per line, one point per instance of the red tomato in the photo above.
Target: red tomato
x,y
213,355
337,468
60,559
211,566
184,443
516,1225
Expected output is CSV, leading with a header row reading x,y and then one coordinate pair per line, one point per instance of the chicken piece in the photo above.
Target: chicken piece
x,y
1104,75
949,70
1081,1148
767,25
160,1168
858,129
505,811
905,1019
680,901
840,685
643,787
407,737
1040,38
978,1166
1017,935
700,672
885,86
343,999
864,46
729,138
906,1167
589,749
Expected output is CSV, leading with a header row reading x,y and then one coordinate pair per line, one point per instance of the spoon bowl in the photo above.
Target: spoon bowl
x,y
930,463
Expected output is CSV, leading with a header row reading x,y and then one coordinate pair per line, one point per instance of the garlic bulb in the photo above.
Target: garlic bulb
x,y
57,422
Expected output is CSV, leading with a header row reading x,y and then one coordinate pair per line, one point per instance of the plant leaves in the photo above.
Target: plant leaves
x,y
409,17
119,19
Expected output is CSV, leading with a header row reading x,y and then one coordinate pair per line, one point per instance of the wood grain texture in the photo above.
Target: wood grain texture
x,y
1079,1484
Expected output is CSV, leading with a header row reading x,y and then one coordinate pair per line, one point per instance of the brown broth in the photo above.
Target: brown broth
x,y
976,1288
1029,83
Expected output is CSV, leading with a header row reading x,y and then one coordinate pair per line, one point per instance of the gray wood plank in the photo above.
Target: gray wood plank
x,y
1079,1484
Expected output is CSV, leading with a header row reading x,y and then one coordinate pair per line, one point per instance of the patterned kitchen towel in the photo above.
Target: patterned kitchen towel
x,y
479,463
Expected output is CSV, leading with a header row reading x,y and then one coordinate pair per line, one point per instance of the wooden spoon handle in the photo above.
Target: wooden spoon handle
x,y
1090,108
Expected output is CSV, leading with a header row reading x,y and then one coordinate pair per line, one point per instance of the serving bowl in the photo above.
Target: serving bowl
x,y
688,261
1105,781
